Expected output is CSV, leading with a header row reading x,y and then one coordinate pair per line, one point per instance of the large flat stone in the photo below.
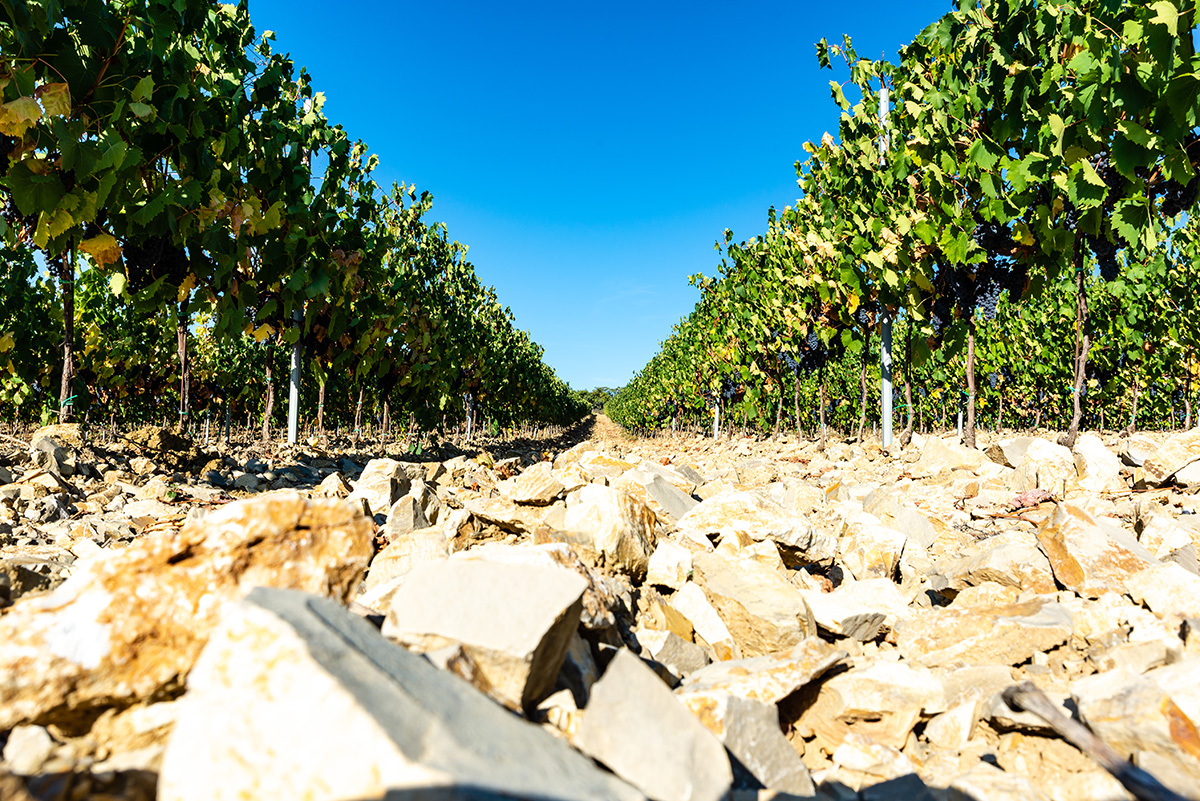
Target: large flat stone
x,y
1012,559
938,456
768,679
536,485
514,621
882,701
506,514
131,622
1088,557
617,524
762,610
294,697
757,516
640,731
1007,635
750,731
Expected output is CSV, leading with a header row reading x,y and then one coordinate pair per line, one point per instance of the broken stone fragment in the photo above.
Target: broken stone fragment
x,y
860,761
514,621
333,486
381,484
129,623
1006,635
536,486
679,657
858,609
1135,713
768,679
670,565
27,749
869,549
640,731
882,701
1098,468
895,512
1175,453
1166,590
750,731
404,553
666,499
404,517
1011,558
691,604
757,516
762,610
1088,556
938,456
1009,452
1054,466
597,464
506,514
617,524
387,722
984,782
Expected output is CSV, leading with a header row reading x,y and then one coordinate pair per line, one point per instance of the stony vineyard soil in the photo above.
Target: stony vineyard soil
x,y
598,616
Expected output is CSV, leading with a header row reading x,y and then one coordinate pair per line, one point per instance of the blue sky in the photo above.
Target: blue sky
x,y
589,155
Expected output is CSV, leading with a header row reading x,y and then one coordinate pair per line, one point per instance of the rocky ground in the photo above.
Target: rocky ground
x,y
621,618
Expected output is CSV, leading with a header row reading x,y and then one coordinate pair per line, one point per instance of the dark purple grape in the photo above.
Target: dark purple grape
x,y
1178,198
1106,257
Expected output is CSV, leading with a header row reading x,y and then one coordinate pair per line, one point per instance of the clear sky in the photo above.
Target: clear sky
x,y
589,154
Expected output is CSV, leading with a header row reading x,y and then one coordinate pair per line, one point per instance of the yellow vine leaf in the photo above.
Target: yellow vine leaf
x,y
6,342
19,116
186,288
51,225
56,99
262,332
103,248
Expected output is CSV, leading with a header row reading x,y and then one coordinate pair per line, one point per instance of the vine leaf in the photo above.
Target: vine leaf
x,y
19,116
103,248
56,99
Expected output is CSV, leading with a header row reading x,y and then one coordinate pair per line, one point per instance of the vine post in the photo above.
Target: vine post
x,y
885,340
294,383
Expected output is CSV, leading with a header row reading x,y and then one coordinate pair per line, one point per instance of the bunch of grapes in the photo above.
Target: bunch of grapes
x,y
815,354
1106,257
995,238
993,379
789,362
13,216
1178,198
865,314
1070,217
1107,171
989,282
941,314
729,388
153,258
